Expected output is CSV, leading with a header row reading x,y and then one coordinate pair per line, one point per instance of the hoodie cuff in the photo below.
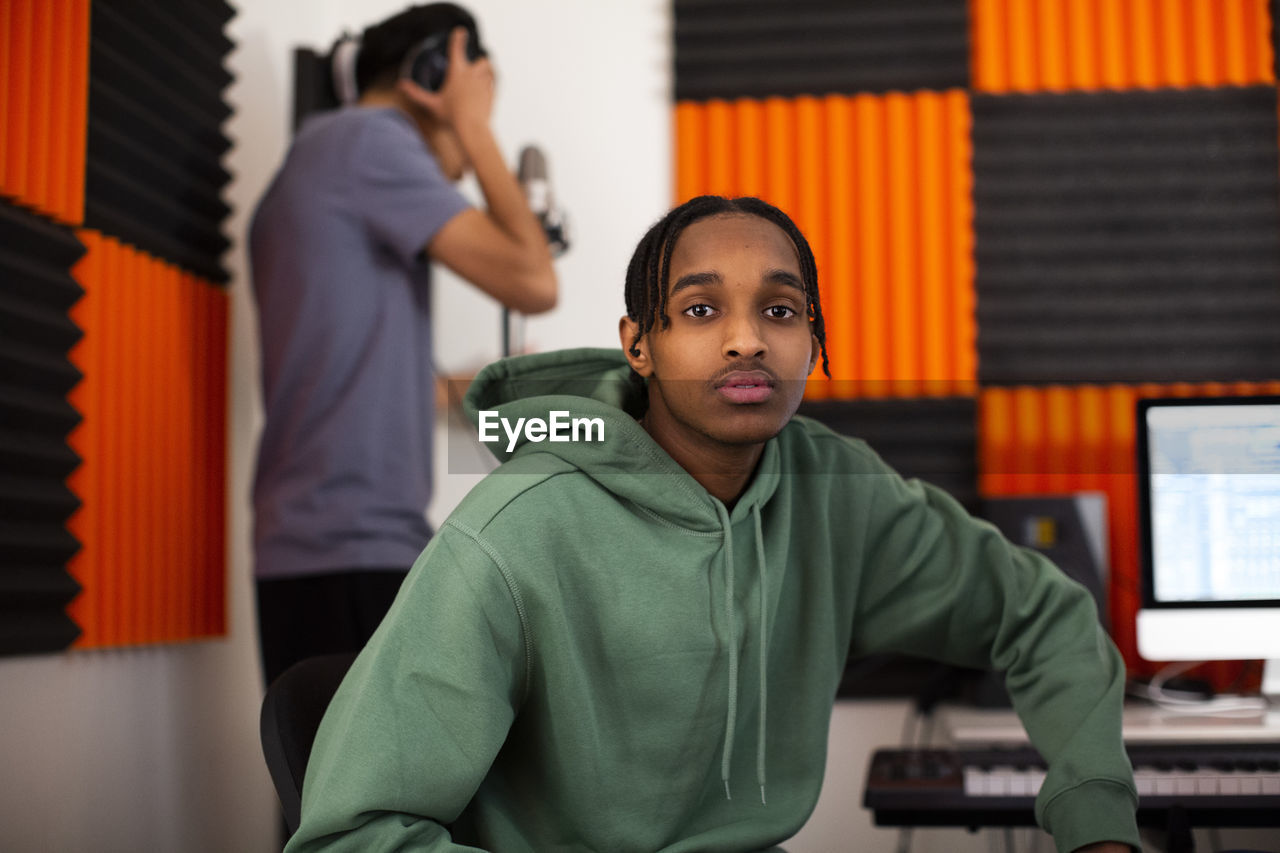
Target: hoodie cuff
x,y
1099,810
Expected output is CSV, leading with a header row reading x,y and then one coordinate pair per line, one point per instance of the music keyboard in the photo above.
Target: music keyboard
x,y
1228,785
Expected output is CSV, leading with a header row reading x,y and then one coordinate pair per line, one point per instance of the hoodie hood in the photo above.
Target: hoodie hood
x,y
590,384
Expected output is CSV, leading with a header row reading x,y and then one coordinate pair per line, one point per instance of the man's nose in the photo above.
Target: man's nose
x,y
743,339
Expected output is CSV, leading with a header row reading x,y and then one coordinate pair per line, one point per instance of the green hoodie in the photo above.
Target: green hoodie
x,y
594,654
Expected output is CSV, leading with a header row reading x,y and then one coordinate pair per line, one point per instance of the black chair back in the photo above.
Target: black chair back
x,y
291,712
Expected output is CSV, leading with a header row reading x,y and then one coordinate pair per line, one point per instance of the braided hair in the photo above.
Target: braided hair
x,y
650,266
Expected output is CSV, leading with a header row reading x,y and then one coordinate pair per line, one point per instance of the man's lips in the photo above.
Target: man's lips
x,y
746,386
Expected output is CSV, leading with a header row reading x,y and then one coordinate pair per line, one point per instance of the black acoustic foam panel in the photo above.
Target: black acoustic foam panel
x,y
1274,11
153,174
35,418
757,48
1127,236
934,439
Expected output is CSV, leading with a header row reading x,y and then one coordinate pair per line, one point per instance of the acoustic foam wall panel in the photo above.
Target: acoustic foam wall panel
x,y
150,485
934,439
1274,10
1127,236
758,48
36,256
880,185
1182,182
44,56
1058,45
154,129
152,480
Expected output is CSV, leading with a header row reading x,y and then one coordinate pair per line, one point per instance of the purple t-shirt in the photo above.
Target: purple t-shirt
x,y
342,287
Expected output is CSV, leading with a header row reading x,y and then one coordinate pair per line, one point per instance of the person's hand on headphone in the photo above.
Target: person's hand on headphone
x,y
467,93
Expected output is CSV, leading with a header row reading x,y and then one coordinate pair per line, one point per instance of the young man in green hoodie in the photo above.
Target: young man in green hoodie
x,y
631,641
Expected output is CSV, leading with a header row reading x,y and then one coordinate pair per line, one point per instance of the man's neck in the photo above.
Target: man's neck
x,y
389,97
385,97
723,470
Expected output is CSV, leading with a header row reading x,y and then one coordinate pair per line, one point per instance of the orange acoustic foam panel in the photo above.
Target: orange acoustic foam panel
x,y
44,83
1060,45
152,441
881,187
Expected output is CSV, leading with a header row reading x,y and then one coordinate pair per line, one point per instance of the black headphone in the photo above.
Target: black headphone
x,y
428,62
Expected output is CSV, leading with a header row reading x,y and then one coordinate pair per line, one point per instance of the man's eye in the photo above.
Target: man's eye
x,y
780,312
698,310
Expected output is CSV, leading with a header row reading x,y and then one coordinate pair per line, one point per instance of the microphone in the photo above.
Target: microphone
x,y
532,174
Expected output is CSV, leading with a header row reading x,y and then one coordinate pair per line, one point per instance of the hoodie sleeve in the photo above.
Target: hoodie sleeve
x,y
417,722
940,584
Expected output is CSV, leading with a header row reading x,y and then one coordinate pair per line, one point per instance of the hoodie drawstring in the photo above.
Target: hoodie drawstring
x,y
764,649
731,712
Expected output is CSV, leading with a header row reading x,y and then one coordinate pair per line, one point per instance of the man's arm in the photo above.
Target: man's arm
x,y
416,724
937,583
501,250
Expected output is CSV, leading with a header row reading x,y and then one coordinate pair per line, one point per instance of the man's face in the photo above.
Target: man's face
x,y
730,369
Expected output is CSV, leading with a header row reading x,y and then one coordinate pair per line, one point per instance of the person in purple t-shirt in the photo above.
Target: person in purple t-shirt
x,y
340,248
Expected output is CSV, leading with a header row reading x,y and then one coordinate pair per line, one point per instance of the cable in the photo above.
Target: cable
x,y
910,725
911,732
1227,705
925,735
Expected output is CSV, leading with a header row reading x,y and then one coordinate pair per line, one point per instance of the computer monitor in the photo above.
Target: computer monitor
x,y
1209,502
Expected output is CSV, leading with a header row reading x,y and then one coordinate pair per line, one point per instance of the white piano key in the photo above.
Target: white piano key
x,y
1206,784
975,782
998,783
1020,784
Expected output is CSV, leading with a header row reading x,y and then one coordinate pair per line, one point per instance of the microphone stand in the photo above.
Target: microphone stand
x,y
512,333
532,174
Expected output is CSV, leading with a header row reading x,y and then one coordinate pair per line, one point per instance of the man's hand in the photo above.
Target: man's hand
x,y
502,250
466,96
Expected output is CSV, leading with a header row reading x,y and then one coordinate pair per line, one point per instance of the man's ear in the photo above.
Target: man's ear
x,y
637,353
815,350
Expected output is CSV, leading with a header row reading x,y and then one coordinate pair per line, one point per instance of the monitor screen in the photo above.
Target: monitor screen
x,y
1209,497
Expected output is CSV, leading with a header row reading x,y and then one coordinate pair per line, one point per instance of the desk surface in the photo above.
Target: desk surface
x,y
963,726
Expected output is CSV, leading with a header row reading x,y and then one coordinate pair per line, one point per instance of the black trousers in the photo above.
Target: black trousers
x,y
321,614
